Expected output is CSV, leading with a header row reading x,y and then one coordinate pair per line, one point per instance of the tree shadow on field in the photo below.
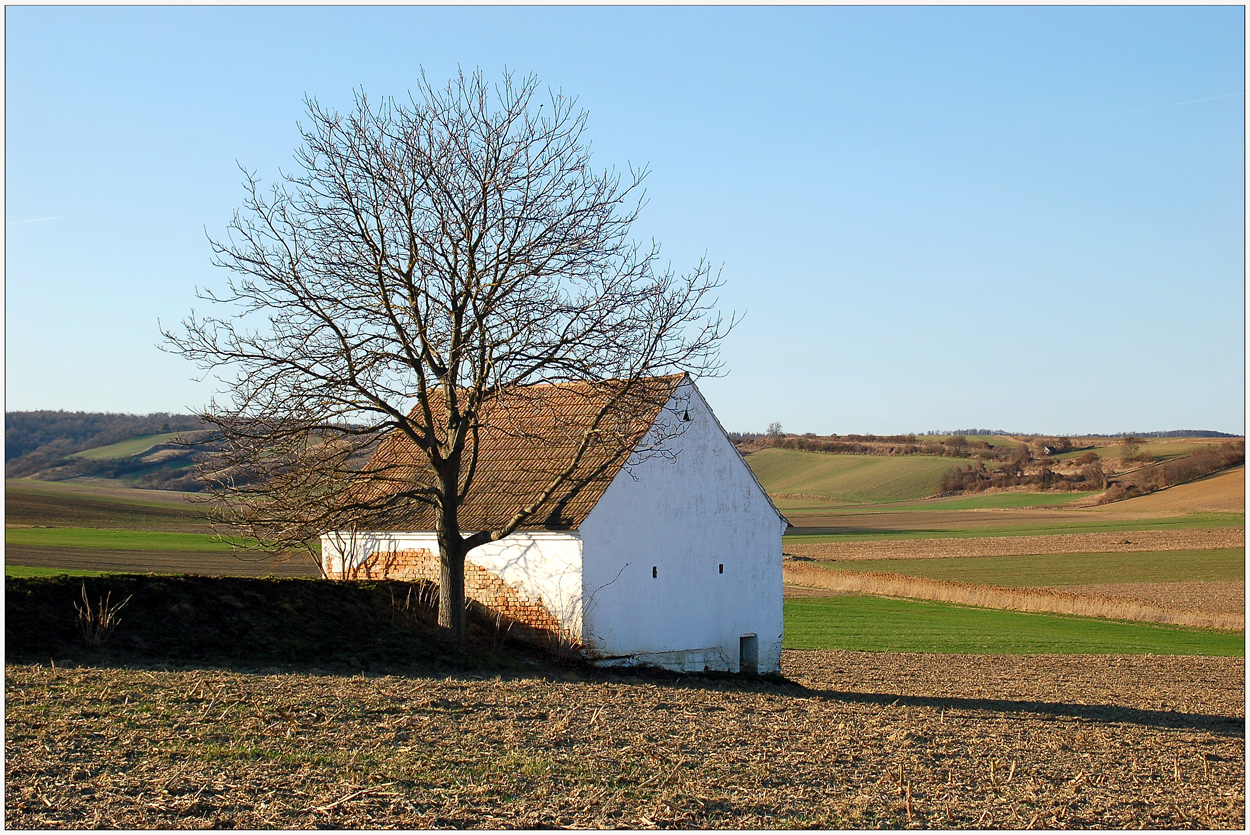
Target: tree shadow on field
x,y
1227,726
1230,726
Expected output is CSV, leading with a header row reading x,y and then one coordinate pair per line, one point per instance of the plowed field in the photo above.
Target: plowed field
x,y
865,740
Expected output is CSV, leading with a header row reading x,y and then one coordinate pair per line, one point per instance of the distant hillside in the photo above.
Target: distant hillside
x,y
849,478
143,450
1180,433
69,432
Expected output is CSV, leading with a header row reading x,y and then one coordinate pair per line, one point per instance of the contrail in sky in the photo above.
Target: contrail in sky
x,y
32,220
1176,104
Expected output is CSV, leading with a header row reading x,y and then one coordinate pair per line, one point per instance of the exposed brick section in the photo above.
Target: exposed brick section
x,y
420,564
480,585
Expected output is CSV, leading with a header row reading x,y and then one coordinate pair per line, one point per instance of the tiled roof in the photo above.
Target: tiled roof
x,y
528,436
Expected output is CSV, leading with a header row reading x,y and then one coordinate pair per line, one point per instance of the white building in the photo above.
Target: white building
x,y
670,556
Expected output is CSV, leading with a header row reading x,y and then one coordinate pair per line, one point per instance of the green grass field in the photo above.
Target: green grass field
x,y
876,624
1069,569
114,540
852,478
127,448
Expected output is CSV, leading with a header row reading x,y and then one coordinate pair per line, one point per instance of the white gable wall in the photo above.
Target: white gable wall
x,y
684,518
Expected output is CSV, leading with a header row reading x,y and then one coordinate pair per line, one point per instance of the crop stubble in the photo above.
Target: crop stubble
x,y
866,740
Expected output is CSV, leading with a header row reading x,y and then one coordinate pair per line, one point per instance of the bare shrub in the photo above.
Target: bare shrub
x,y
419,604
96,625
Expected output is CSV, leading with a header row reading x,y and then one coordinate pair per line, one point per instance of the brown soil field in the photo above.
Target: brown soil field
x,y
221,564
91,488
1085,603
24,508
1009,546
1224,492
1227,597
859,740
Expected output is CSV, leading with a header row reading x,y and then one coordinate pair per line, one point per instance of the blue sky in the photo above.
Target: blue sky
x,y
933,218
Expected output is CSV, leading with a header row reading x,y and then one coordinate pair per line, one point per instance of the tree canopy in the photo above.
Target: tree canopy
x,y
424,257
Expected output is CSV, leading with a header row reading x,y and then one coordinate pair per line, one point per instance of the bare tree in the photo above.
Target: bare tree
x,y
426,257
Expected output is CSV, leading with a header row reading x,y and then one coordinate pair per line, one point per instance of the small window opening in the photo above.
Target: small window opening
x,y
686,416
654,572
722,568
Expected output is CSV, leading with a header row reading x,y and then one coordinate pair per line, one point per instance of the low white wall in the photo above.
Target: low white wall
x,y
545,565
685,518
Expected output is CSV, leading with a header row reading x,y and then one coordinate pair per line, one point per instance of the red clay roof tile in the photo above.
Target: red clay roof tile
x,y
528,436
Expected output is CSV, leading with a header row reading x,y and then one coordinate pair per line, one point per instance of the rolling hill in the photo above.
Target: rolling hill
x,y
858,479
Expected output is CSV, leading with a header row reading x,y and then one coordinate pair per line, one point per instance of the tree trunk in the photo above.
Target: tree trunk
x,y
451,549
451,619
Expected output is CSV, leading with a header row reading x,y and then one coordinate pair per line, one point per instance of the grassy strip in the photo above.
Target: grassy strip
x,y
114,540
39,571
1069,569
1011,500
1176,523
876,624
127,448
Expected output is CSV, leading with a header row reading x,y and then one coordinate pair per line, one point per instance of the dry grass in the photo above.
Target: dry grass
x,y
1228,596
1000,597
868,740
1011,546
1224,492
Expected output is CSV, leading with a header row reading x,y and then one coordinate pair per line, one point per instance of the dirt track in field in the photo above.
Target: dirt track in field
x,y
867,740
1006,546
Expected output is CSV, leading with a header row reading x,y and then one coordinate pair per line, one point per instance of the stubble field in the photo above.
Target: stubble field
x,y
858,740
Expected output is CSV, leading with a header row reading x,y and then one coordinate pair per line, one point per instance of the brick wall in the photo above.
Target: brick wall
x,y
480,585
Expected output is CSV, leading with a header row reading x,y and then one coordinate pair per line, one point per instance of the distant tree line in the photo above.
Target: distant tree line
x,y
1021,470
954,447
1173,433
975,478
